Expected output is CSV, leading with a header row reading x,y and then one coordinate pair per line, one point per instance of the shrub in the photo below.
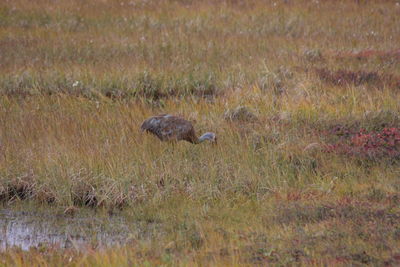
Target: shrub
x,y
373,145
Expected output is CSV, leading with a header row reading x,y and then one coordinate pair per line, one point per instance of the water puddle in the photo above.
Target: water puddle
x,y
34,229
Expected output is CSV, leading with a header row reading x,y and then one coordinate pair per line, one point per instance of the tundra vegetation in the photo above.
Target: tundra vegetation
x,y
304,97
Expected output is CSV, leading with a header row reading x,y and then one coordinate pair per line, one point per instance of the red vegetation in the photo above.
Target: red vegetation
x,y
373,145
346,77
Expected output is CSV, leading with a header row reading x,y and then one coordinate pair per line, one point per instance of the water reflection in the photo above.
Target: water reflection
x,y
31,229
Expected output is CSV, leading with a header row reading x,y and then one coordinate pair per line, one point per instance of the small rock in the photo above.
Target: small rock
x,y
313,54
240,113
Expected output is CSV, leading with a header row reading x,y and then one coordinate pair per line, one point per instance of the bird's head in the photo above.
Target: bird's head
x,y
212,137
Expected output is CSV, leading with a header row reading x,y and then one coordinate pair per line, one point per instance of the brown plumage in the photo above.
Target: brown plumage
x,y
173,128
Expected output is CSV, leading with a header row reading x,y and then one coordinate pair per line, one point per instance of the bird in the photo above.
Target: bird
x,y
168,127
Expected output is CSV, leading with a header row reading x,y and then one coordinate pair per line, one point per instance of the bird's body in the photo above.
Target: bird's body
x,y
173,128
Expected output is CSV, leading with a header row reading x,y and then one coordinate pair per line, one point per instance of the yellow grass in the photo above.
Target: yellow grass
x,y
77,78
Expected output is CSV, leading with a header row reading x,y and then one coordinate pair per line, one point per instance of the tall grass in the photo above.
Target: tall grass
x,y
77,79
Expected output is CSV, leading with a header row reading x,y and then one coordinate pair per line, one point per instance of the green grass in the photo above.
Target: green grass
x,y
78,78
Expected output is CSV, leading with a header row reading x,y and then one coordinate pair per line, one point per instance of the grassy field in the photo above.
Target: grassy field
x,y
303,95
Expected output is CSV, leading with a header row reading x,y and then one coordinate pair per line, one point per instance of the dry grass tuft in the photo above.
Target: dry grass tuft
x,y
20,188
346,77
77,78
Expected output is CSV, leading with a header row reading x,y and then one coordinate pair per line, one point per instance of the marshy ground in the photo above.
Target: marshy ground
x,y
303,95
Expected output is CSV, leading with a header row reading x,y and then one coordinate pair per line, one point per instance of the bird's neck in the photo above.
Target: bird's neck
x,y
202,138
